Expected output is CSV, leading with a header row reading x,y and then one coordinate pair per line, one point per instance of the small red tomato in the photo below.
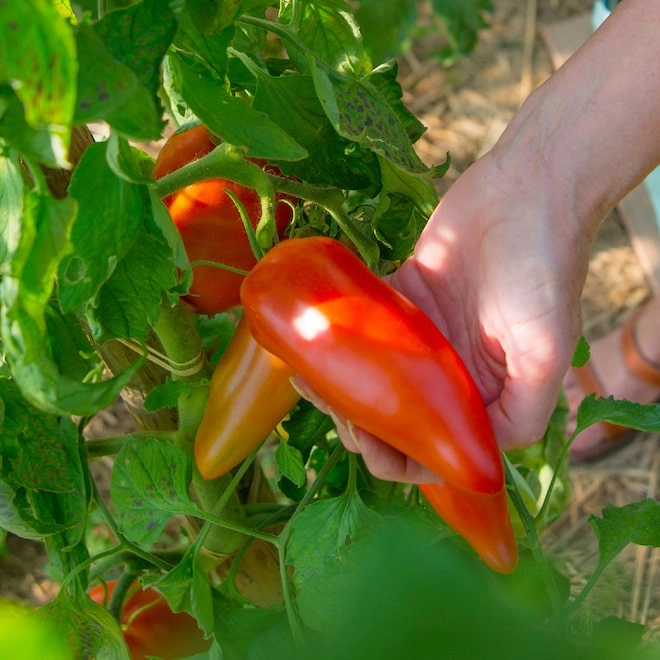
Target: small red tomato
x,y
150,627
210,224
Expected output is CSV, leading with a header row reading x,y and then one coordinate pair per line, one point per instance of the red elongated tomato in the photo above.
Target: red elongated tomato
x,y
373,356
250,394
483,520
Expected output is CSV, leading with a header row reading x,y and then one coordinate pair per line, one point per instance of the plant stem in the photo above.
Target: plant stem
x,y
122,585
292,615
533,540
98,447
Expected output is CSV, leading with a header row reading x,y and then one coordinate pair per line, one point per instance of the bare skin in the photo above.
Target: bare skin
x,y
501,265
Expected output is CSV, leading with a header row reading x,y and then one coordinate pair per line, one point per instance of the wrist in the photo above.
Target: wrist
x,y
591,132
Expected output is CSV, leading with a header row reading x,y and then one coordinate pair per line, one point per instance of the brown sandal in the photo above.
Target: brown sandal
x,y
616,436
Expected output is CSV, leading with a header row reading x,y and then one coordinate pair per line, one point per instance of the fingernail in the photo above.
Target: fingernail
x,y
350,427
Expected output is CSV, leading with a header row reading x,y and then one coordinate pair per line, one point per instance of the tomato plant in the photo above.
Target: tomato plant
x,y
209,221
230,497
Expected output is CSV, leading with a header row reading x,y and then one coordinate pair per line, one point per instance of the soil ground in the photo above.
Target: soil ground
x,y
465,106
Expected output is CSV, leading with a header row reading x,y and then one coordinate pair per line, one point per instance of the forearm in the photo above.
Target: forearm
x,y
592,131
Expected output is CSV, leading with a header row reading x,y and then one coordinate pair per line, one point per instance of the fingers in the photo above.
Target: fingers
x,y
383,461
386,463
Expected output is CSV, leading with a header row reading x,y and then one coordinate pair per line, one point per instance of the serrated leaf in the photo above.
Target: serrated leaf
x,y
91,629
42,74
138,36
187,589
40,237
149,484
637,523
291,464
322,529
127,162
110,216
128,304
416,187
292,103
359,112
330,31
582,353
111,91
642,417
231,118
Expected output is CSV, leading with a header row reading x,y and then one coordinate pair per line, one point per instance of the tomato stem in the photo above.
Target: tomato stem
x,y
532,539
333,200
98,447
227,162
292,615
122,585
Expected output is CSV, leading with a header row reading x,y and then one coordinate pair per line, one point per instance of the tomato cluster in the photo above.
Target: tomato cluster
x,y
312,307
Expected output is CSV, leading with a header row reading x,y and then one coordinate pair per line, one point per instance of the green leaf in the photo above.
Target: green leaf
x,y
634,523
129,302
386,32
150,481
187,589
642,417
292,103
582,353
42,74
385,79
91,630
231,118
11,204
167,395
35,144
291,464
43,481
330,31
40,241
416,187
463,19
127,162
138,36
109,90
212,17
322,529
307,427
359,112
111,213
212,48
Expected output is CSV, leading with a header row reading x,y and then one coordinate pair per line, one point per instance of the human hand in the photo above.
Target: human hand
x,y
500,273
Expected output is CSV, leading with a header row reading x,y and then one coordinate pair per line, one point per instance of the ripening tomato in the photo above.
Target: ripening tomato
x,y
210,224
483,520
373,356
250,393
149,625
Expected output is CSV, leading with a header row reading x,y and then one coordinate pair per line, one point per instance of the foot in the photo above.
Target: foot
x,y
633,374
